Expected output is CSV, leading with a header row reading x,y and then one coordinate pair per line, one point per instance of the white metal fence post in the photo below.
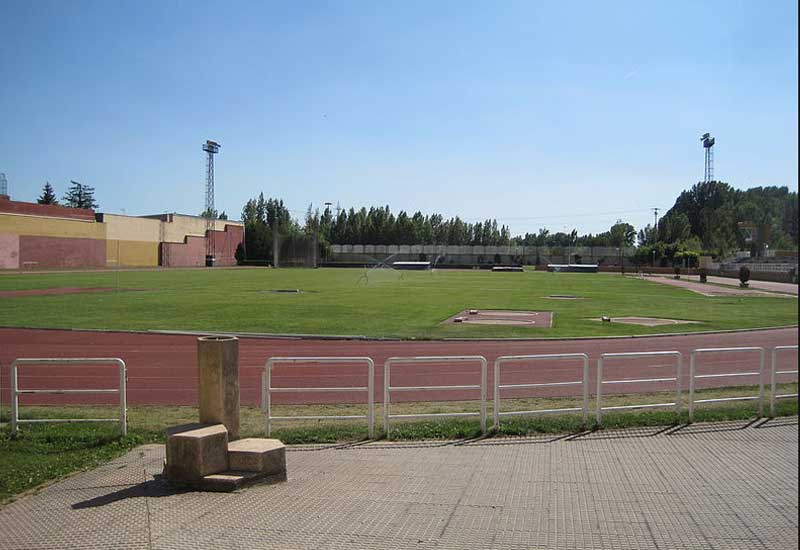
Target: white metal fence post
x,y
774,372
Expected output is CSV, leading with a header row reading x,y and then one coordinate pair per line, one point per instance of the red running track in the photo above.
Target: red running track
x,y
162,368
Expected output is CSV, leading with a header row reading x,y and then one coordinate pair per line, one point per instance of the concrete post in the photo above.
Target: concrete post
x,y
218,363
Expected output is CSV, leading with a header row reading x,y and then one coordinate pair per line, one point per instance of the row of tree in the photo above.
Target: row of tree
x,y
711,218
77,196
715,218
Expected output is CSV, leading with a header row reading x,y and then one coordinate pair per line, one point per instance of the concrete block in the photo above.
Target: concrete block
x,y
218,362
267,456
195,451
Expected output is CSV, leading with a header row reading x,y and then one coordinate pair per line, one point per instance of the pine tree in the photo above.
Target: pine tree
x,y
80,196
48,195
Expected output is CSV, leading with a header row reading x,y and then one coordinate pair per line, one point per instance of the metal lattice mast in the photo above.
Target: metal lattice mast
x,y
211,148
708,145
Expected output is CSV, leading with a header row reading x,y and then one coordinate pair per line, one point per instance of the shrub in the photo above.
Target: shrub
x,y
677,272
744,276
239,254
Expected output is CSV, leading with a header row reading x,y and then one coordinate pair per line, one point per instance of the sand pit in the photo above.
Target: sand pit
x,y
648,321
534,319
61,290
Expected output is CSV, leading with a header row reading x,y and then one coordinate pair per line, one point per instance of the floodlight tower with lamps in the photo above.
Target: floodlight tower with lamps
x,y
211,148
708,144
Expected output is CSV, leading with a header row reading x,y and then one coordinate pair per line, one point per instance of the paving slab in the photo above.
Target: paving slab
x,y
724,485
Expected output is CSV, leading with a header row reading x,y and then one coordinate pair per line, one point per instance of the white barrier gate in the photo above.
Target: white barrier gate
x,y
515,358
693,375
16,392
774,372
267,390
676,379
388,388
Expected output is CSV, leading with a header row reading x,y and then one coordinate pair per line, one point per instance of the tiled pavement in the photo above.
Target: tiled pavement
x,y
701,486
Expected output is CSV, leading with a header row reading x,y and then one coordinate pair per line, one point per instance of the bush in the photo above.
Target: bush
x,y
239,254
744,276
677,272
703,275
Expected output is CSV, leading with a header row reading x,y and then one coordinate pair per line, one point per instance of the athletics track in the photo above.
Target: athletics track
x,y
162,368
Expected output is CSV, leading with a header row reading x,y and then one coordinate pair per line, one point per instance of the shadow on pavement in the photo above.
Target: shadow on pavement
x,y
691,429
151,488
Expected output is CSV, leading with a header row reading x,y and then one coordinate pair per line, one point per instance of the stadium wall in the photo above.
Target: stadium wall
x,y
190,253
35,236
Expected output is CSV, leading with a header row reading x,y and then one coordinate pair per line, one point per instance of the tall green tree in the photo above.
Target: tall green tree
x,y
48,195
80,196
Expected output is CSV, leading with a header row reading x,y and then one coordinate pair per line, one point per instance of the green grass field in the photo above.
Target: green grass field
x,y
387,304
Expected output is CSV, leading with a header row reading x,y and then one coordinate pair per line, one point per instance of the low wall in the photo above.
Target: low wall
x,y
54,252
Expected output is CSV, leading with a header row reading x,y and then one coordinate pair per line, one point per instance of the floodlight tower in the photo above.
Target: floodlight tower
x,y
708,145
211,148
3,185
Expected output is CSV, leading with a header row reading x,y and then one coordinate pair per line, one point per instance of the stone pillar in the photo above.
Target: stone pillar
x,y
218,363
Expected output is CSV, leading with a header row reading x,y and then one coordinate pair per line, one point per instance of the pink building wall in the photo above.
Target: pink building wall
x,y
57,252
9,251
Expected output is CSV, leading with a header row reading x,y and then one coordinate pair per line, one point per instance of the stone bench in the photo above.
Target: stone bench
x,y
195,451
265,456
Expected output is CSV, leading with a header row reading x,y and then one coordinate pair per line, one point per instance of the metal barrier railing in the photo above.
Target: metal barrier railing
x,y
774,372
267,390
693,376
516,358
676,379
388,388
82,361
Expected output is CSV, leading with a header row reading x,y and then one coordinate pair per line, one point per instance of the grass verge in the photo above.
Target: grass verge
x,y
45,452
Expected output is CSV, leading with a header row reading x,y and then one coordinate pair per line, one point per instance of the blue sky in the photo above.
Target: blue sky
x,y
539,114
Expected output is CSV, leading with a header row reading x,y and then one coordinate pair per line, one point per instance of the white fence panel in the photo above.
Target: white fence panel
x,y
267,390
388,388
694,376
676,379
584,382
66,361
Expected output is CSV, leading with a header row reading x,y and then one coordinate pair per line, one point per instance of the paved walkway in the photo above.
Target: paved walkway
x,y
787,288
703,486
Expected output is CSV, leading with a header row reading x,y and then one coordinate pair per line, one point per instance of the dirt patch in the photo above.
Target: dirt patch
x,y
61,290
648,321
707,289
536,319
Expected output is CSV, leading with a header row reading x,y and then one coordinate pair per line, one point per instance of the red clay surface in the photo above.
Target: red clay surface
x,y
162,368
57,291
